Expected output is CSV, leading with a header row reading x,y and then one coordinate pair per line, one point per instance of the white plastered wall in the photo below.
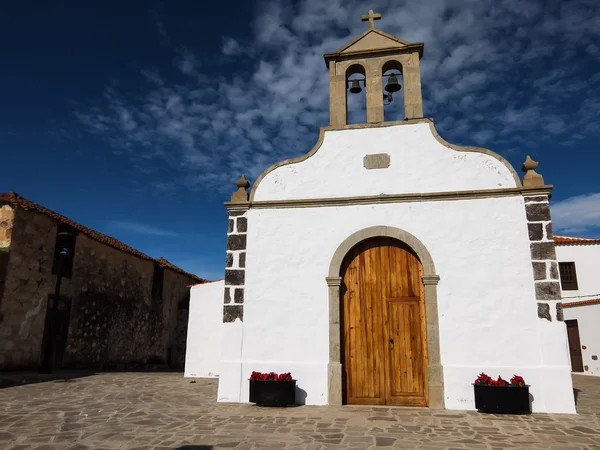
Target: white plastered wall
x,y
486,300
587,261
205,323
588,318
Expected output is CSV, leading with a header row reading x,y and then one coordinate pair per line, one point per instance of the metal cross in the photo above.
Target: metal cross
x,y
371,17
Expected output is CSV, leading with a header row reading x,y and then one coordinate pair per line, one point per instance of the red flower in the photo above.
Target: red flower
x,y
271,376
500,382
516,380
484,380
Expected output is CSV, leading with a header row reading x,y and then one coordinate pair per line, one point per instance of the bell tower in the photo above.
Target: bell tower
x,y
371,55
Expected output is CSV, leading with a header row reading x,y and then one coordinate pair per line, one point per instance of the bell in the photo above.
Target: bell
x,y
392,84
355,88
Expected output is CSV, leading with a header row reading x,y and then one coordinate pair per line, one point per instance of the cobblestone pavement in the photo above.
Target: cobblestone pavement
x,y
166,411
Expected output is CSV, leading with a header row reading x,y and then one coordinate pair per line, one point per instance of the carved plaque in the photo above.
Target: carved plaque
x,y
377,161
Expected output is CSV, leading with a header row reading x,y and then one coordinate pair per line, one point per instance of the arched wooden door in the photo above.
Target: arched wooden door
x,y
383,325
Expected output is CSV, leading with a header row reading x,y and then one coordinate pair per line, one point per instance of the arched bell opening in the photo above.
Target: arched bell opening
x,y
393,93
356,94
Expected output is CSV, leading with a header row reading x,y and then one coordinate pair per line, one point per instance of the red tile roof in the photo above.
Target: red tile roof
x,y
581,303
16,200
574,240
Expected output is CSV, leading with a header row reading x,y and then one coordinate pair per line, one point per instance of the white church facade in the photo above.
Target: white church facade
x,y
389,267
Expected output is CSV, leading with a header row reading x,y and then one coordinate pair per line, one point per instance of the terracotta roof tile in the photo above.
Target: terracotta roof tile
x,y
169,265
574,240
16,200
581,303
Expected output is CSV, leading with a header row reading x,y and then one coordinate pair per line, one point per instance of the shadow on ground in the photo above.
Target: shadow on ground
x,y
21,378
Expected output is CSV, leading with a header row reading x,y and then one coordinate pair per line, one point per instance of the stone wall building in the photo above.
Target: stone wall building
x,y
117,307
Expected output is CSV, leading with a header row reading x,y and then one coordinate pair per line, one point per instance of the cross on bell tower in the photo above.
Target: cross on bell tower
x,y
371,17
371,55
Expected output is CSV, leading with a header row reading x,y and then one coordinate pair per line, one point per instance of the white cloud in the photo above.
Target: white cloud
x,y
231,47
141,228
482,73
187,62
577,214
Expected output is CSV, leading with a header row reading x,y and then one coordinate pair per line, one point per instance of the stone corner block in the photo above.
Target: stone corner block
x,y
242,224
549,232
547,290
236,242
232,312
554,271
539,270
235,277
536,231
538,212
239,295
543,251
559,312
544,311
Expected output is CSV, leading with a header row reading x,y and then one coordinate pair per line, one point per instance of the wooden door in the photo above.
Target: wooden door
x,y
574,345
383,322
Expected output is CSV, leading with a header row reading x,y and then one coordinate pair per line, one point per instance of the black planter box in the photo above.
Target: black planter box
x,y
273,393
502,399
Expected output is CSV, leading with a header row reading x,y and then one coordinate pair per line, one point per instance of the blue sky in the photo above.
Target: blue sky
x,y
135,118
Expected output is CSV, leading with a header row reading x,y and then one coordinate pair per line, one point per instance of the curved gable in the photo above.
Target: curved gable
x,y
397,158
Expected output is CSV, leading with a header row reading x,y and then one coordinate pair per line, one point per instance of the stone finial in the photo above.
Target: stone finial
x,y
241,196
531,178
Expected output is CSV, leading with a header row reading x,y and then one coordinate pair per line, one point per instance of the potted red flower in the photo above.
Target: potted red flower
x,y
272,389
501,396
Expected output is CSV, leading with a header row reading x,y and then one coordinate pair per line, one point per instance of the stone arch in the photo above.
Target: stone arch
x,y
355,68
396,110
356,104
430,281
391,64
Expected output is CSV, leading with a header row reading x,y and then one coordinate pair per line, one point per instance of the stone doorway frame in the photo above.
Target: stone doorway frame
x,y
435,374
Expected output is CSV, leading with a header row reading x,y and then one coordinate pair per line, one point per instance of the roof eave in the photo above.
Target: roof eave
x,y
17,201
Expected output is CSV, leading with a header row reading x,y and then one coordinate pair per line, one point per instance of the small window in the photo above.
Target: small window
x,y
64,251
157,282
568,276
